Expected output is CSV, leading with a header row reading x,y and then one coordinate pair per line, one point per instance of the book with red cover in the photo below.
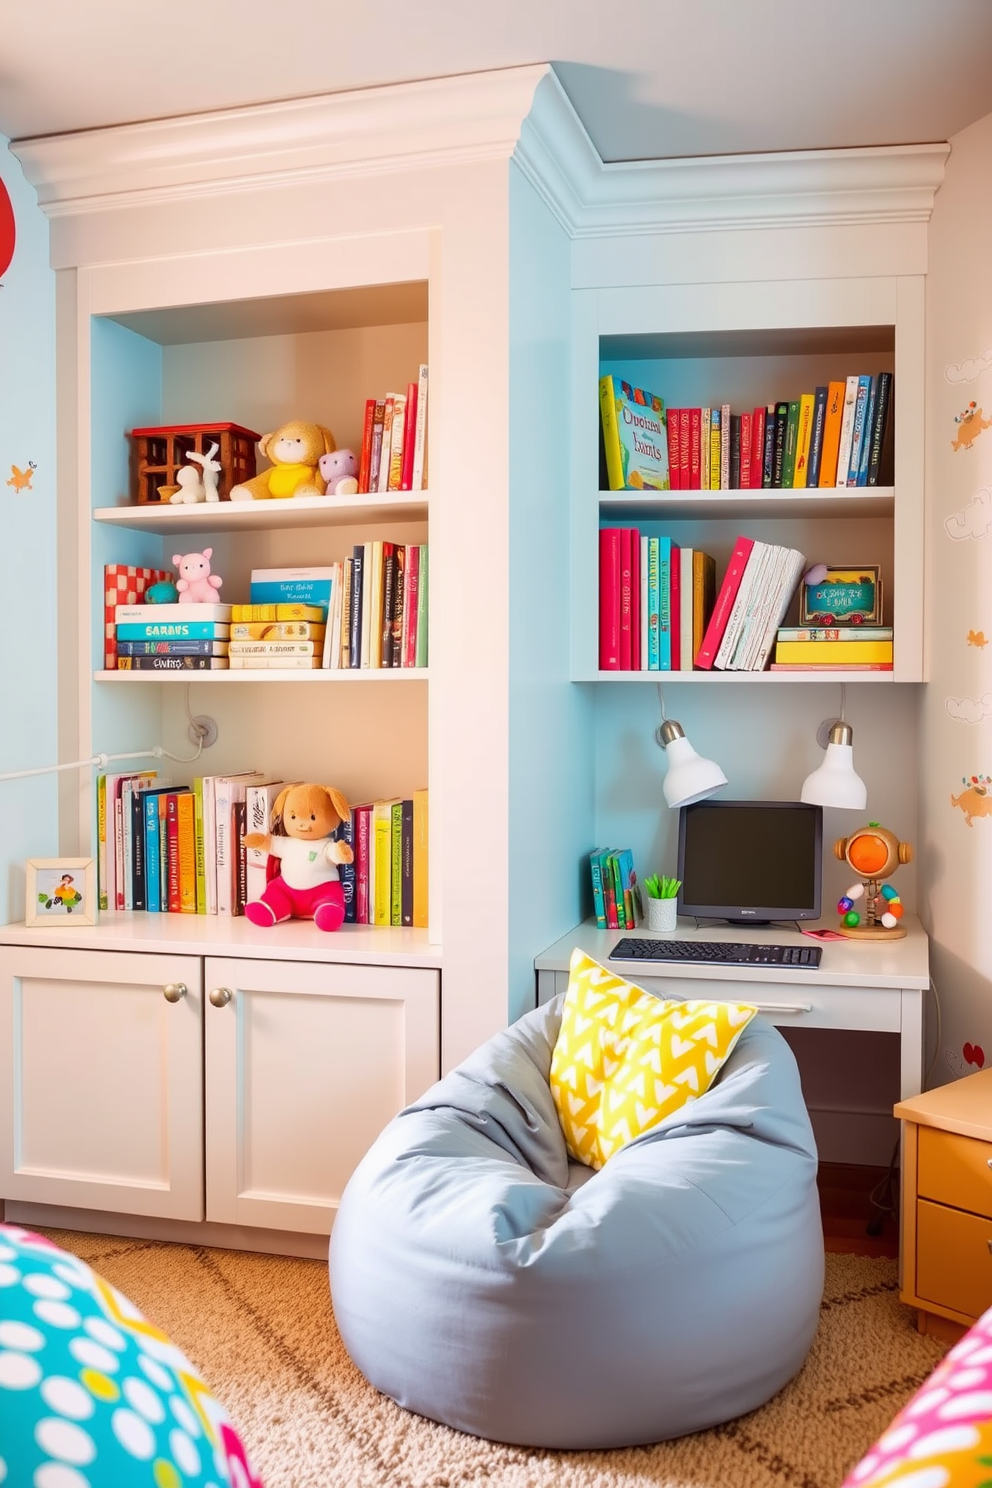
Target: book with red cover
x,y
757,447
674,449
609,599
365,458
724,602
409,437
685,430
411,593
626,599
695,415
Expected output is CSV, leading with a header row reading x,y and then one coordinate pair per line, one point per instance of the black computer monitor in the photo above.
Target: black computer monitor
x,y
750,862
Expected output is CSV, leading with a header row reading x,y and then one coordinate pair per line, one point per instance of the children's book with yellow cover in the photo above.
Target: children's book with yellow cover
x,y
635,437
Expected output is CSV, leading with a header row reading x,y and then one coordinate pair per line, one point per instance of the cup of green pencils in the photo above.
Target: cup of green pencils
x,y
661,903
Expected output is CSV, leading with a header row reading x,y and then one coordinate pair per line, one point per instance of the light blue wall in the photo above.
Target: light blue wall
x,y
551,776
127,394
27,552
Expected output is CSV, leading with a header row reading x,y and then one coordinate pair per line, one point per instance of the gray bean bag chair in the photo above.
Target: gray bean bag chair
x,y
481,1279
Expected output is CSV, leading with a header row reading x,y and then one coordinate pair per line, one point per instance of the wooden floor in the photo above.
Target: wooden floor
x,y
848,1212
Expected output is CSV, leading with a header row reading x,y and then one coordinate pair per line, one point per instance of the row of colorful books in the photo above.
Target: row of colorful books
x,y
616,894
178,849
835,435
394,440
659,608
369,610
840,648
832,436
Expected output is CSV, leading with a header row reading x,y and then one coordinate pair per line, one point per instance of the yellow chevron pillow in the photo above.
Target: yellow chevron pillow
x,y
624,1060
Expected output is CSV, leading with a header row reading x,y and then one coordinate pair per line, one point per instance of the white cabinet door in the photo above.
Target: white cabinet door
x,y
305,1064
100,1080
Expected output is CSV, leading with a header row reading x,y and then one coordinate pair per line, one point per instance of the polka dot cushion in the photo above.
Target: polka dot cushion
x,y
943,1437
92,1395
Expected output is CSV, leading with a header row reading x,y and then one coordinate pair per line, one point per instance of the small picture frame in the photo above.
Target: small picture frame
x,y
60,891
849,595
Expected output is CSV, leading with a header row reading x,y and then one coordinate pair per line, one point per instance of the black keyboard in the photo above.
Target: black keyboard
x,y
717,952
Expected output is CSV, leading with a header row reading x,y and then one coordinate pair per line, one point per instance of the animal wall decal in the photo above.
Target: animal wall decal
x,y
21,479
975,799
977,638
970,425
973,520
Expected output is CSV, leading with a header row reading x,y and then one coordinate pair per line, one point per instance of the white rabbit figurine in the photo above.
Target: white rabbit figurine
x,y
211,470
190,486
195,485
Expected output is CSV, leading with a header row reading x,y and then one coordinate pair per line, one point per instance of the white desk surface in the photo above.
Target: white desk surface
x,y
894,964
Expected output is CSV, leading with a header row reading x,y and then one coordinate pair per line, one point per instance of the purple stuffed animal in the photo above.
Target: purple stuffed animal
x,y
340,471
196,584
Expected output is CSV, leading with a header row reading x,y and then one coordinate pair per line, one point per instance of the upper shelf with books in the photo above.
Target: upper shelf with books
x,y
267,516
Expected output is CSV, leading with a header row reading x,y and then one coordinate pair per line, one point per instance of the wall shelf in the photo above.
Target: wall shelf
x,y
746,506
266,516
272,674
715,677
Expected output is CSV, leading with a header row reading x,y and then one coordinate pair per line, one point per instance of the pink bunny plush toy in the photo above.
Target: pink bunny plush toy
x,y
196,584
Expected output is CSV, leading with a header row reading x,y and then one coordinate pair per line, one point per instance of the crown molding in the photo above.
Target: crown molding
x,y
807,188
405,126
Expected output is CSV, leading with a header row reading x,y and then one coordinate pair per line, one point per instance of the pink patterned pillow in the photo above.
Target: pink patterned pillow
x,y
943,1437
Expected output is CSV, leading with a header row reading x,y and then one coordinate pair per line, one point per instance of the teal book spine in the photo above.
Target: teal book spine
x,y
858,432
654,604
665,617
598,898
176,630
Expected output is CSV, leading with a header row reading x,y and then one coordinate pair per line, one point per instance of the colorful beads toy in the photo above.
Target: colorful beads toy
x,y
888,892
855,891
843,905
889,921
852,918
894,908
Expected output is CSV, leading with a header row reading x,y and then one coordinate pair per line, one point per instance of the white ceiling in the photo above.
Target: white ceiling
x,y
649,78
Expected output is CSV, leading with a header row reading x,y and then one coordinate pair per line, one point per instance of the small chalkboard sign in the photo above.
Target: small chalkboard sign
x,y
844,596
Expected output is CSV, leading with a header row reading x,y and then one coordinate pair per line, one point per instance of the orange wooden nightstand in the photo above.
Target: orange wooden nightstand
x,y
945,1253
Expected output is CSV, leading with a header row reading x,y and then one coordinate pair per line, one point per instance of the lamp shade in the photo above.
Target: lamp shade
x,y
690,778
836,782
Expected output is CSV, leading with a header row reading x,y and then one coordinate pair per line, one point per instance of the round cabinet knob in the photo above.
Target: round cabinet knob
x,y
175,991
220,996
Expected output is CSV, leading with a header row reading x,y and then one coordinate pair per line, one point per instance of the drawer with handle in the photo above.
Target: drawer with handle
x,y
955,1170
953,1259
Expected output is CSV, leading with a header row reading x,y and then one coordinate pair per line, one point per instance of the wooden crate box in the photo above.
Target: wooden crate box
x,y
158,454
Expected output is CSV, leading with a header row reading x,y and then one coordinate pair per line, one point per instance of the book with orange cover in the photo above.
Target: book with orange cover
x,y
831,433
365,459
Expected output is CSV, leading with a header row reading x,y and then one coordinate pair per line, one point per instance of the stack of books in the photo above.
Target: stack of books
x,y
394,439
389,873
277,635
172,637
757,588
177,849
655,601
616,893
839,648
382,595
832,436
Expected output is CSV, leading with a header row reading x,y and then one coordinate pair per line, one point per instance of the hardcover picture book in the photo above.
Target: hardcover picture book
x,y
635,437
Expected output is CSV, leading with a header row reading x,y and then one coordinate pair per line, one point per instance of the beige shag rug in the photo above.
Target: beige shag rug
x,y
261,1331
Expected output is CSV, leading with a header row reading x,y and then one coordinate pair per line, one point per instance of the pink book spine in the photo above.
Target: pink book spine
x,y
635,600
724,602
609,599
675,605
409,437
745,475
695,448
757,448
411,591
626,599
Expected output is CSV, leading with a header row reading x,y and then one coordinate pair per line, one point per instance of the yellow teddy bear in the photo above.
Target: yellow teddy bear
x,y
295,450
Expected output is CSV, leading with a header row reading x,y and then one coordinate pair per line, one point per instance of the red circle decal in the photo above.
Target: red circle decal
x,y
6,230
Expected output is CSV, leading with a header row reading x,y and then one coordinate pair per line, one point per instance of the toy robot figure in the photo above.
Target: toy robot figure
x,y
875,853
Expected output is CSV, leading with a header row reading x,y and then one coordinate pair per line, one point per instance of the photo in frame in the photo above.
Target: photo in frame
x,y
60,891
848,595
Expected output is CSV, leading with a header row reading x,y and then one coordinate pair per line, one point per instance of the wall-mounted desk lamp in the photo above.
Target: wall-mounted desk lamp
x,y
690,778
836,782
